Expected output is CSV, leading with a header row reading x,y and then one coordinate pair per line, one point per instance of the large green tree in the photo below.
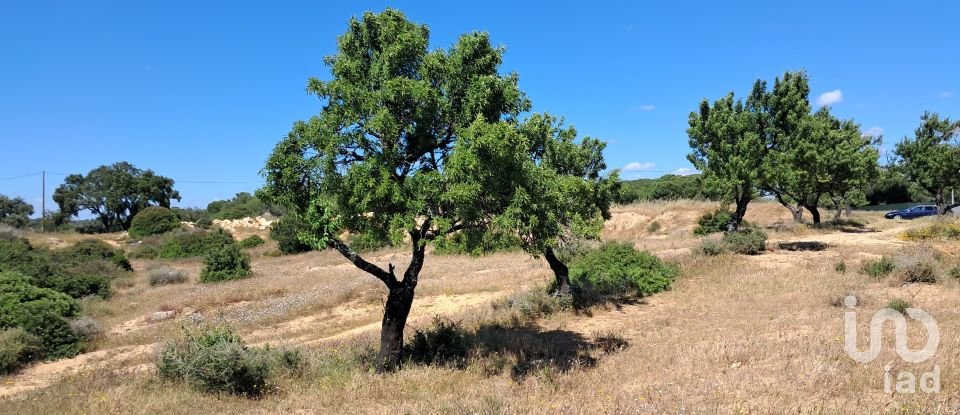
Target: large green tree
x,y
114,194
374,160
729,148
15,212
932,157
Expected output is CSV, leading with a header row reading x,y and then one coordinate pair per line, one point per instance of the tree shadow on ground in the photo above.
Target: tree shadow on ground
x,y
803,246
521,350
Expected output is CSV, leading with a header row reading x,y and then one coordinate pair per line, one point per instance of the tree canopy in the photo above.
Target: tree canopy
x,y
15,212
932,158
114,194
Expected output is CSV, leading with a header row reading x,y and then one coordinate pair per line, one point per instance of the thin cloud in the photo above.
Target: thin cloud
x,y
830,98
945,94
685,172
638,166
874,132
644,108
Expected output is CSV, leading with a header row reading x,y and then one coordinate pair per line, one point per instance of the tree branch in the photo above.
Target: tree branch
x,y
388,277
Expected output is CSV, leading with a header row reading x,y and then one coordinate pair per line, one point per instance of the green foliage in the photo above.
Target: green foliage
x,y
892,187
41,312
242,205
918,264
654,227
711,247
954,273
531,305
840,267
617,269
15,212
476,243
166,275
445,343
932,158
114,194
879,268
188,244
713,222
214,360
225,264
191,214
17,347
746,241
667,187
367,242
251,241
899,305
153,220
286,232
82,270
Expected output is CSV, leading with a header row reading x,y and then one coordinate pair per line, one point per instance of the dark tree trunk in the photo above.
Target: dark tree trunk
x,y
395,313
560,271
796,211
740,212
815,213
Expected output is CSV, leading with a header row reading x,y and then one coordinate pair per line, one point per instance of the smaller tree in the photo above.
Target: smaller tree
x,y
153,220
932,157
114,194
15,212
729,150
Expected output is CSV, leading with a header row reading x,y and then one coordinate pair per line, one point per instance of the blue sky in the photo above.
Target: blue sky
x,y
201,91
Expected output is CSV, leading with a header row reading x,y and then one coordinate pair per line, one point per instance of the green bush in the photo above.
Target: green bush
x,y
166,275
898,304
82,270
617,268
954,273
654,227
917,265
365,242
713,222
154,220
711,247
41,312
224,264
284,231
93,249
840,267
445,343
214,360
531,305
17,347
188,244
747,240
251,242
879,268
476,243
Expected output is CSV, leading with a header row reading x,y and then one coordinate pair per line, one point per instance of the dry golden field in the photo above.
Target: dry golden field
x,y
735,334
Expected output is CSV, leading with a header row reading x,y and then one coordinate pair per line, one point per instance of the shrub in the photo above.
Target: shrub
x,y
840,267
86,328
284,231
251,242
366,242
713,222
224,264
746,240
92,249
475,243
194,243
153,220
879,268
654,227
79,271
617,268
445,343
937,230
41,312
954,273
711,247
898,304
917,265
166,275
17,347
533,304
212,360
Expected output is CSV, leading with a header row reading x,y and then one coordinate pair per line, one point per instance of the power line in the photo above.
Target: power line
x,y
177,181
22,176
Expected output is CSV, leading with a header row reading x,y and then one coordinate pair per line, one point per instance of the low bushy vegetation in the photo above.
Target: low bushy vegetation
x,y
840,267
251,241
366,242
917,265
713,222
445,343
899,305
667,187
879,268
654,227
475,243
284,231
224,264
41,312
17,347
524,307
154,220
242,205
618,269
82,270
214,360
747,240
183,244
943,230
166,275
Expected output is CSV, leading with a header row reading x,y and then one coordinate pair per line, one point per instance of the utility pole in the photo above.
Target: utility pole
x,y
43,201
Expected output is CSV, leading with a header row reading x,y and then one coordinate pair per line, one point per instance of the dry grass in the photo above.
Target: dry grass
x,y
736,334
